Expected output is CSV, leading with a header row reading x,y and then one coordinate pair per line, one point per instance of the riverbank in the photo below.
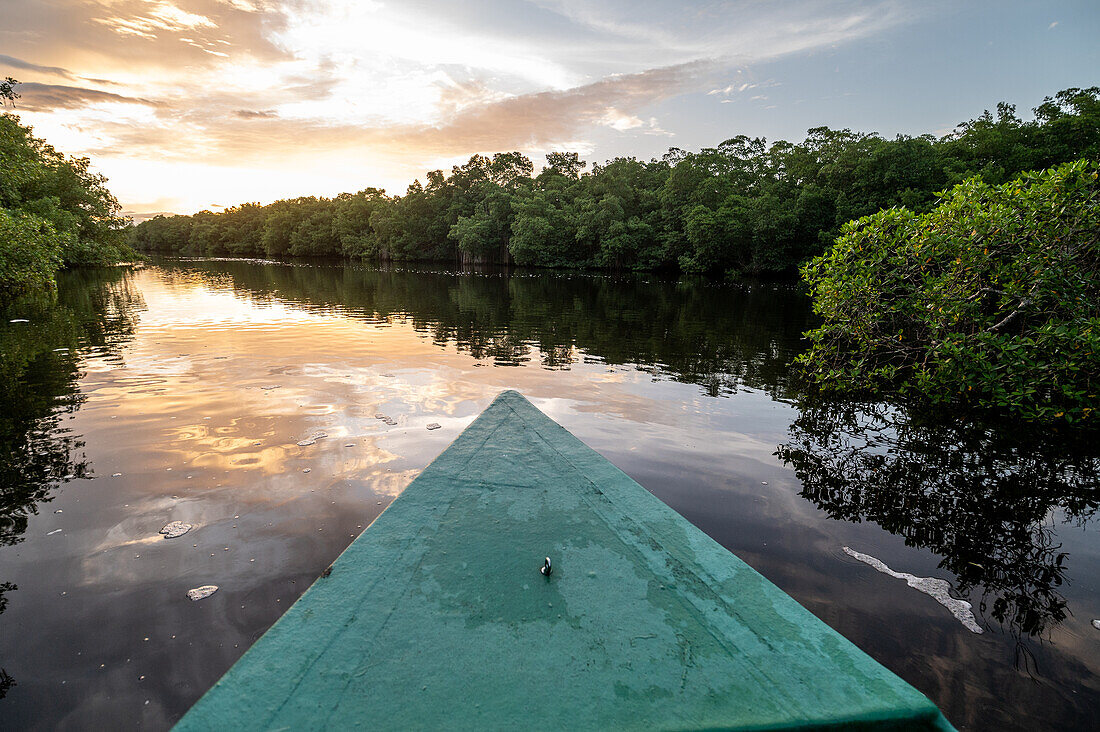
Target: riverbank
x,y
741,207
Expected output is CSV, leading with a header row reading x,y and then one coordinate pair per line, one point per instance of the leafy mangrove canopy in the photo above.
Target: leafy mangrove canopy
x,y
53,212
989,300
741,207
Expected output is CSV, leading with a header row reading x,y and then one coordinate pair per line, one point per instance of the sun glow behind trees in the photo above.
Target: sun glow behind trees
x,y
192,104
740,207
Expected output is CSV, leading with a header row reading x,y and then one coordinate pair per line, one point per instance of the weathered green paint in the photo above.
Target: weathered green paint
x,y
438,617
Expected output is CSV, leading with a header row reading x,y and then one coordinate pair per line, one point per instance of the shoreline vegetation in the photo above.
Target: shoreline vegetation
x,y
741,208
990,301
54,212
943,271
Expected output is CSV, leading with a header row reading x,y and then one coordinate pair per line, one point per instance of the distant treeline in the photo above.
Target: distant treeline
x,y
741,207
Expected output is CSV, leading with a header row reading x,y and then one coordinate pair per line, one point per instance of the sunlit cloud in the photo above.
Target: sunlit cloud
x,y
20,65
36,97
158,16
185,102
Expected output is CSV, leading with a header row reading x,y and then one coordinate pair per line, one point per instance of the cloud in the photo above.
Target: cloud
x,y
367,90
129,40
741,30
741,87
16,63
255,114
139,216
217,132
159,16
47,97
546,117
1053,25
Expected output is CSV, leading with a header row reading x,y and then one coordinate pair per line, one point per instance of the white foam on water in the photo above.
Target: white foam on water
x,y
934,587
200,593
175,529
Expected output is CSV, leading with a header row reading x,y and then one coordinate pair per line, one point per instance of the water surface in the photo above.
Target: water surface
x,y
180,391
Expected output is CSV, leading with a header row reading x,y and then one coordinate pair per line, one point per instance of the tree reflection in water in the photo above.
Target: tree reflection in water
x,y
986,500
39,368
720,337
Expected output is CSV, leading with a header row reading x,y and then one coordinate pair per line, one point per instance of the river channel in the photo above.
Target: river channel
x,y
240,397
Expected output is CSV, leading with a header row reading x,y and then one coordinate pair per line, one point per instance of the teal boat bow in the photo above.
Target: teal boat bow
x,y
441,614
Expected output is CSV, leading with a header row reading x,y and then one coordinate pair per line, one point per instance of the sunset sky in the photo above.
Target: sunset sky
x,y
206,103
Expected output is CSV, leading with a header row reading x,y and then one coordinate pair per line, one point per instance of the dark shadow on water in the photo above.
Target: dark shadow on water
x,y
95,310
985,500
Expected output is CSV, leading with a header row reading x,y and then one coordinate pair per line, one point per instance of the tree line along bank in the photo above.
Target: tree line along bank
x,y
743,207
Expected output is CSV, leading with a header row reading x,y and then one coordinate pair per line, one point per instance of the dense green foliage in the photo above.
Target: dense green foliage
x,y
741,207
53,211
991,299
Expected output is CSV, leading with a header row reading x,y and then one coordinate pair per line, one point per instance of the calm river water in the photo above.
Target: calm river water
x,y
179,391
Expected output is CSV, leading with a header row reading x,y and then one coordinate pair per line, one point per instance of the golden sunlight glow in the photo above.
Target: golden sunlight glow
x,y
185,104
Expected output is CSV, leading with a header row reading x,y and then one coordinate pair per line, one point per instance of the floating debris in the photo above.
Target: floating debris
x,y
273,386
19,320
55,531
434,426
175,529
350,444
312,439
200,593
935,588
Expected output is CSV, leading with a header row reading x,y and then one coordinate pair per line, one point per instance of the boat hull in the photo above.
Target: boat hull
x,y
438,615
